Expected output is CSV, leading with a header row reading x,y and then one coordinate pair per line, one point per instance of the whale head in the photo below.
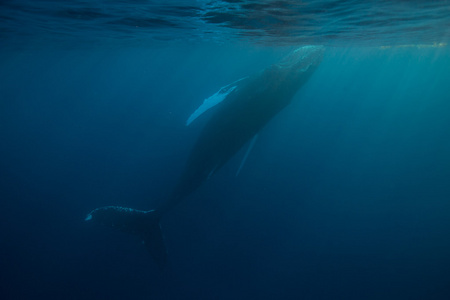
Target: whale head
x,y
302,58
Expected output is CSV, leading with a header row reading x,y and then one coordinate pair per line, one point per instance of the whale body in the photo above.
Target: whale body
x,y
241,110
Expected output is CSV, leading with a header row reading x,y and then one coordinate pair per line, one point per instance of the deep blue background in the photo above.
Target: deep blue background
x,y
345,195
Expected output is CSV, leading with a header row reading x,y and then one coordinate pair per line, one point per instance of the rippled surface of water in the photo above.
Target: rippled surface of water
x,y
328,22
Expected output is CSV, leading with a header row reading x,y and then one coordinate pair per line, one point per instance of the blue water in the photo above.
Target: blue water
x,y
345,195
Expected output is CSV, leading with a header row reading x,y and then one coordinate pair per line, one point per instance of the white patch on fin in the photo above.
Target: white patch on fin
x,y
91,215
213,101
250,146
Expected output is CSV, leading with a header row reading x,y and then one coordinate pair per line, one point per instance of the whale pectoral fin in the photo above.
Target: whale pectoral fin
x,y
145,224
249,149
213,100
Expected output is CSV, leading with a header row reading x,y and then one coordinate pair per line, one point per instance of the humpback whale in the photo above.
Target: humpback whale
x,y
241,110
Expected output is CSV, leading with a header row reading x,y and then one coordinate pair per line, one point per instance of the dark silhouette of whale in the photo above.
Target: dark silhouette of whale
x,y
248,105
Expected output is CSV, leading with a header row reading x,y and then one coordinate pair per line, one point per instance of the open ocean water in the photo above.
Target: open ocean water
x,y
345,194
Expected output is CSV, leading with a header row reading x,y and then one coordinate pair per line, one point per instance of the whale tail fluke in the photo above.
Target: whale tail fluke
x,y
144,224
